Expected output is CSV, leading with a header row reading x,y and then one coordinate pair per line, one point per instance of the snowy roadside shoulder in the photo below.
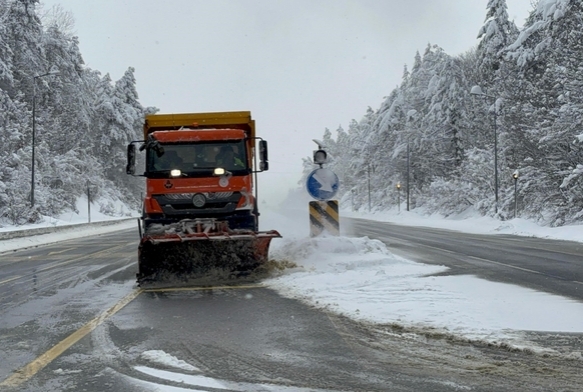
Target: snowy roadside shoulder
x,y
472,222
361,279
68,225
68,233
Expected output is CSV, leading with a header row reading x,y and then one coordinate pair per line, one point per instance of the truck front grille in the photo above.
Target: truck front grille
x,y
208,195
217,203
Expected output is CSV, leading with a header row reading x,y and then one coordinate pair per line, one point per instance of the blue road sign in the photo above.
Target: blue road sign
x,y
322,184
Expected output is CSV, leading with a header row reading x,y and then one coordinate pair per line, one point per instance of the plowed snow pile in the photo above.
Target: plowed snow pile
x,y
362,279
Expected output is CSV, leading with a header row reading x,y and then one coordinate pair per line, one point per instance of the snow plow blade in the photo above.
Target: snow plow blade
x,y
184,259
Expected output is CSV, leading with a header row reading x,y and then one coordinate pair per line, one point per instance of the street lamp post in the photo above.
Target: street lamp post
x,y
515,176
410,114
398,196
34,78
477,90
368,177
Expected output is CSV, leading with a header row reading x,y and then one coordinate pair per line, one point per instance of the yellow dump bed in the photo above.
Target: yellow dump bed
x,y
218,120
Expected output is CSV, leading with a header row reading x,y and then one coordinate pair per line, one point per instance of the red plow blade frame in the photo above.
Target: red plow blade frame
x,y
201,253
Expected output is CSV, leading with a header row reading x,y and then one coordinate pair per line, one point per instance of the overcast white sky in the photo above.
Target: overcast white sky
x,y
299,66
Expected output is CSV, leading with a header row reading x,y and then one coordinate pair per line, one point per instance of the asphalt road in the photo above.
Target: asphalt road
x,y
550,266
72,319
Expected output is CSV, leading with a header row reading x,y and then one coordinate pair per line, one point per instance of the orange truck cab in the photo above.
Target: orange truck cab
x,y
200,166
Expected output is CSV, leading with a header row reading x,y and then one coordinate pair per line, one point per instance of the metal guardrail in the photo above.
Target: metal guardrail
x,y
8,235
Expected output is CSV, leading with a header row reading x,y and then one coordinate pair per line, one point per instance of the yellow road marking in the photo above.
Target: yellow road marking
x,y
10,280
25,373
200,288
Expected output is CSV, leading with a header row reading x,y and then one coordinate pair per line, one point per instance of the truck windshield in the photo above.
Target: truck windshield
x,y
199,158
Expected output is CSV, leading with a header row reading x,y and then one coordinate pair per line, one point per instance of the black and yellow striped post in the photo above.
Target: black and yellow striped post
x,y
324,217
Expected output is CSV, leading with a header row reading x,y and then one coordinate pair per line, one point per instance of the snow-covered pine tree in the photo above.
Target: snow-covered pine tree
x,y
67,125
495,35
548,54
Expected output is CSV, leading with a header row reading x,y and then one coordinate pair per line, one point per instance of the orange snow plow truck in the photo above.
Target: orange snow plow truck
x,y
200,217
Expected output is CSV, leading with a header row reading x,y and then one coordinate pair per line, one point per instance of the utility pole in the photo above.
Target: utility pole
x,y
515,177
477,90
34,78
88,203
368,176
408,172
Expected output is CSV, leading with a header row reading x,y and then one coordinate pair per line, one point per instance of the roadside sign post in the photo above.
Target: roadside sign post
x,y
322,185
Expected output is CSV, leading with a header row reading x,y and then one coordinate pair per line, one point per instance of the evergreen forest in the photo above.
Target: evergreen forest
x,y
82,120
433,134
430,138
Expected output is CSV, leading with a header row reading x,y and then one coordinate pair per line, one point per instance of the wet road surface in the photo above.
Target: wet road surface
x,y
72,319
551,266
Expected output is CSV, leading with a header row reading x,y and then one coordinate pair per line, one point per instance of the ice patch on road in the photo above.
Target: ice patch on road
x,y
60,371
195,380
162,358
200,381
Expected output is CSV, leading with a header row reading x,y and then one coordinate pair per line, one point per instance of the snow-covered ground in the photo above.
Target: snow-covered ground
x,y
71,225
362,279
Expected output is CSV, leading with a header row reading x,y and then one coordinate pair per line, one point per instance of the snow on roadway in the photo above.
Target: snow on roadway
x,y
362,279
160,357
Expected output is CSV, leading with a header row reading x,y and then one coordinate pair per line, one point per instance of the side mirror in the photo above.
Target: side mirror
x,y
159,149
152,144
263,161
263,150
131,166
